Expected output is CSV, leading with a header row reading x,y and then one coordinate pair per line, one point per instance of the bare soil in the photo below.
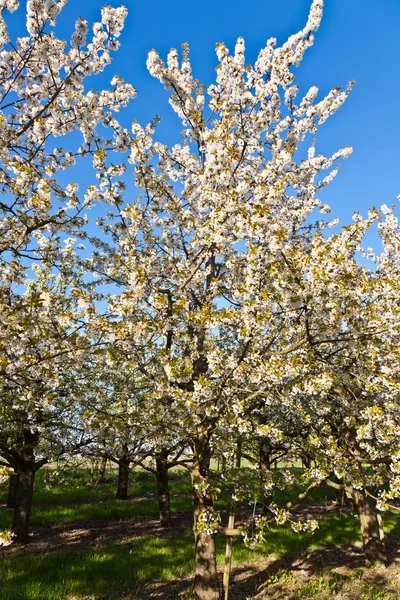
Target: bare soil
x,y
92,533
334,572
331,573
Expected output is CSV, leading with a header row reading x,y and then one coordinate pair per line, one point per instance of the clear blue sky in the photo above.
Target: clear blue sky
x,y
358,40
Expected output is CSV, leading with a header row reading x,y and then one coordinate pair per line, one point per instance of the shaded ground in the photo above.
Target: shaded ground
x,y
335,571
92,533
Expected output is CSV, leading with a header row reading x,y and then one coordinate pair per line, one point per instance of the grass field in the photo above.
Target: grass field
x,y
87,545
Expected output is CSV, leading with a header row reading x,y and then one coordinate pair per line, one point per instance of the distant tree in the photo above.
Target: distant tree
x,y
349,394
120,423
43,349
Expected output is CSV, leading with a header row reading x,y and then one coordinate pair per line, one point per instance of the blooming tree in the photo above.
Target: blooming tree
x,y
349,391
124,423
43,351
201,254
231,314
114,414
43,97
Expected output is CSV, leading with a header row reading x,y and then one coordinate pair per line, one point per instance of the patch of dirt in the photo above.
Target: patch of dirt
x,y
334,572
92,533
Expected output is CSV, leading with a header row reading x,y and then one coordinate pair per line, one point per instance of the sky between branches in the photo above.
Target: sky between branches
x,y
358,39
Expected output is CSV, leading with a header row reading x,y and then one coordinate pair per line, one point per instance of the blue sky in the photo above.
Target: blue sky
x,y
358,40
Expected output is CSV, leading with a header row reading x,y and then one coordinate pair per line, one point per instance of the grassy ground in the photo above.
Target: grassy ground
x,y
124,549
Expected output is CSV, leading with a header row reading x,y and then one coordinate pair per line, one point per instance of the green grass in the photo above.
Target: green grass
x,y
74,486
64,574
117,566
349,585
114,566
76,500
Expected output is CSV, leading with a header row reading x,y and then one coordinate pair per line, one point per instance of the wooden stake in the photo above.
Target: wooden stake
x,y
231,530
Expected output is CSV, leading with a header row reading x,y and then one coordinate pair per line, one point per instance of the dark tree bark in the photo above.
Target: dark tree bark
x,y
123,478
12,491
223,464
23,504
370,523
25,470
25,465
102,470
206,585
371,531
340,499
265,466
163,489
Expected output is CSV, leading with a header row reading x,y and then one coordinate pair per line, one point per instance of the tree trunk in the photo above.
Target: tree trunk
x,y
93,468
163,489
206,585
23,502
25,469
340,499
223,464
374,548
265,466
12,491
123,479
102,470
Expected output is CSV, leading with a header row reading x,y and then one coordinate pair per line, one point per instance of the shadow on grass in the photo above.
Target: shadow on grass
x,y
326,584
321,574
159,567
97,511
100,511
77,487
115,567
331,562
108,568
